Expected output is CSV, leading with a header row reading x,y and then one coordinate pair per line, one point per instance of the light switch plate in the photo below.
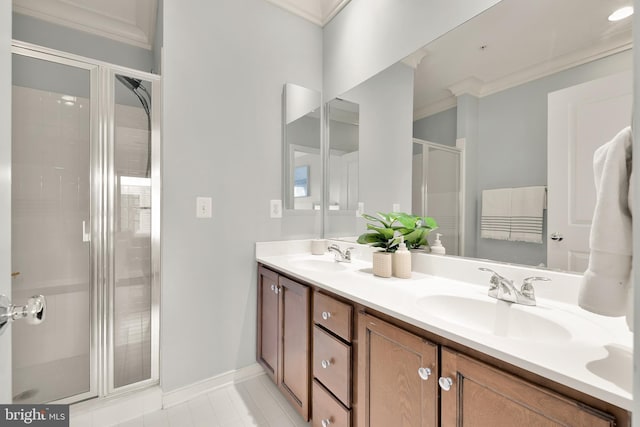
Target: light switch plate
x,y
360,209
203,207
275,208
396,207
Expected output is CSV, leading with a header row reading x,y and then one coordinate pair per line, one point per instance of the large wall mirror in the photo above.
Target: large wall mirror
x,y
490,89
343,144
302,164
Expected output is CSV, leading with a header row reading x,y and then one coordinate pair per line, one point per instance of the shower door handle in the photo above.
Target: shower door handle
x,y
33,311
86,237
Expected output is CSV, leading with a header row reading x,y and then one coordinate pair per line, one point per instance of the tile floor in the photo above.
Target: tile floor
x,y
255,402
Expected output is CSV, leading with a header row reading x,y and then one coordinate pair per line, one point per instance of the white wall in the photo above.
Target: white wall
x,y
368,36
225,64
5,190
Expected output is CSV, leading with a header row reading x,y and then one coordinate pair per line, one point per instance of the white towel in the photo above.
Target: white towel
x,y
527,209
605,284
495,222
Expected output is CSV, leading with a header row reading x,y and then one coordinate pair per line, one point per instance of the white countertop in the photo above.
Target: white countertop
x,y
555,339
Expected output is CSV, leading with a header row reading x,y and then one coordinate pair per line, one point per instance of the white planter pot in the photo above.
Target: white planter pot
x,y
382,262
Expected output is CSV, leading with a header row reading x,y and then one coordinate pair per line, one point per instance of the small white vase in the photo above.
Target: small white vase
x,y
382,262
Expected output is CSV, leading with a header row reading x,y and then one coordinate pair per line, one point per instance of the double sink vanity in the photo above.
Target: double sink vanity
x,y
347,348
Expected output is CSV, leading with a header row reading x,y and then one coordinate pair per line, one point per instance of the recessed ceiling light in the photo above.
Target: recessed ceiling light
x,y
623,12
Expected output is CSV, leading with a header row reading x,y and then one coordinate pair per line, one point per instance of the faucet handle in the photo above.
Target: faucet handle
x,y
527,285
347,252
495,278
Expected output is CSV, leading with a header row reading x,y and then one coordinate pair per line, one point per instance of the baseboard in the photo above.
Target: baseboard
x,y
192,390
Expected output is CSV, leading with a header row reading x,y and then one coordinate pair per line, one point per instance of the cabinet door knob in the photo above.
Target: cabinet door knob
x,y
424,373
445,383
326,315
277,291
273,288
326,422
325,363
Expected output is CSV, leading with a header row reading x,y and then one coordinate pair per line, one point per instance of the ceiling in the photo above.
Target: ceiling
x,y
128,21
511,43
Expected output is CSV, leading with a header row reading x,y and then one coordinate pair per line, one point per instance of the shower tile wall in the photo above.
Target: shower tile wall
x,y
50,200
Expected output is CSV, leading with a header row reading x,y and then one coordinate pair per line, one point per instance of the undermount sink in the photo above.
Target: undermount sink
x,y
497,318
319,264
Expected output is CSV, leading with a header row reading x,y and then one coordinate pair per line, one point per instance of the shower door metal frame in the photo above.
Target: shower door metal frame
x,y
425,185
102,203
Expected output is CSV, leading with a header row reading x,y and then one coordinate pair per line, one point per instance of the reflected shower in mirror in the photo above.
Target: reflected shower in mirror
x,y
342,133
302,163
436,190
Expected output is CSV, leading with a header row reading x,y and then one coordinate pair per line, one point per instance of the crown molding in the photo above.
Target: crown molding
x,y
320,15
137,33
435,108
415,58
476,87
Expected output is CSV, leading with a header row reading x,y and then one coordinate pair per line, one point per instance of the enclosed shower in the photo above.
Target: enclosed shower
x,y
85,226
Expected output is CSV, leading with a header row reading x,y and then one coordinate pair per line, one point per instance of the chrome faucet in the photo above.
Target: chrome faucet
x,y
503,289
340,256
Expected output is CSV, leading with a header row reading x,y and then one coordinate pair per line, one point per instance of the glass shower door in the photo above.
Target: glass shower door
x,y
51,223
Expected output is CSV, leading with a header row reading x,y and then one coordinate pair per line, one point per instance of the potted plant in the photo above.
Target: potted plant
x,y
382,232
415,229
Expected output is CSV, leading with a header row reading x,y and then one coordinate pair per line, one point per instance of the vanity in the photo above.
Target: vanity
x,y
350,349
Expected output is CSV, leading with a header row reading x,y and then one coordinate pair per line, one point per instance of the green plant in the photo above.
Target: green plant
x,y
416,229
381,231
387,230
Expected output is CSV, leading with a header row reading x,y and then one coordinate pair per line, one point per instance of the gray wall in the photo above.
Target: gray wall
x,y
32,30
5,190
158,41
368,36
224,67
511,147
636,220
439,128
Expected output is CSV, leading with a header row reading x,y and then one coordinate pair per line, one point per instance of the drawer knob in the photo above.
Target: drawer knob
x,y
445,383
326,422
326,315
325,363
424,373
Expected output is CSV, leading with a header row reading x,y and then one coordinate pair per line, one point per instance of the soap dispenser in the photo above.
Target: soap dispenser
x,y
401,266
437,247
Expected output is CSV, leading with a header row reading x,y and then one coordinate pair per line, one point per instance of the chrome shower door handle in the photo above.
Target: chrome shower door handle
x,y
34,311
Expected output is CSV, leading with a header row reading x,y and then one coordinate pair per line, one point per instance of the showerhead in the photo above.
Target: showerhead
x,y
129,82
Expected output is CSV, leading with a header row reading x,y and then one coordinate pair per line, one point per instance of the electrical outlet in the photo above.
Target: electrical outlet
x,y
275,208
360,209
396,207
203,207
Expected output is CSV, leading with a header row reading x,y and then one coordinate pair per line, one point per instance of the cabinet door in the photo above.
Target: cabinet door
x,y
393,386
481,395
268,323
295,372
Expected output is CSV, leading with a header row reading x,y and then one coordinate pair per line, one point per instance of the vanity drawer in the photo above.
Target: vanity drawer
x,y
333,315
327,410
332,364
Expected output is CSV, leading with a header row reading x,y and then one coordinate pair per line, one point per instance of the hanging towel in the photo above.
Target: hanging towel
x,y
495,222
605,285
527,209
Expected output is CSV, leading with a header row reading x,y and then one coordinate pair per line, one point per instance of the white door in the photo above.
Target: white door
x,y
580,119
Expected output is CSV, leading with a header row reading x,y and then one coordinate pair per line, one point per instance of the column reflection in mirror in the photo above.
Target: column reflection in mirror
x,y
343,133
132,325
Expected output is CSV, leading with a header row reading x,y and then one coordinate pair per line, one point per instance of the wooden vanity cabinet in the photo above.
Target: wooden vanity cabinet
x,y
283,339
397,376
481,395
